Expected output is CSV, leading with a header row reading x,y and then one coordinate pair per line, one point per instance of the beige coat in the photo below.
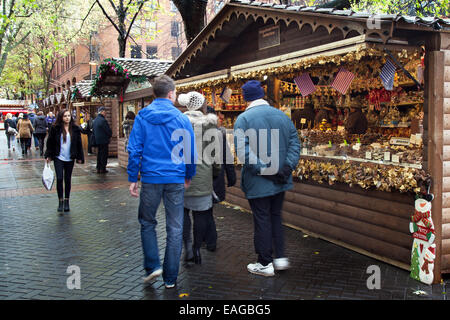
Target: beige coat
x,y
25,128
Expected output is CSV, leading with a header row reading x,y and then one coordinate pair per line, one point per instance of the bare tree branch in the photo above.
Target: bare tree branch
x,y
110,20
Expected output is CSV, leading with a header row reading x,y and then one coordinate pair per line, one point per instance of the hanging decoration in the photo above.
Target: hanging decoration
x,y
305,84
343,80
387,75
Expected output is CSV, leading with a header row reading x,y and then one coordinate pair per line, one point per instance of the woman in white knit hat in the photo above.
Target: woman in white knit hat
x,y
198,197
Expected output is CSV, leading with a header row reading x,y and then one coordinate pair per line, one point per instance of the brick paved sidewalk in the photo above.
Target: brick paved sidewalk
x,y
101,236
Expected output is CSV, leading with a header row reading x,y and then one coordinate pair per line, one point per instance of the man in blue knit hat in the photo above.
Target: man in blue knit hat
x,y
267,144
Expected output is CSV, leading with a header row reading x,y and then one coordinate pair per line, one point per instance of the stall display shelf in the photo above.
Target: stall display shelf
x,y
345,158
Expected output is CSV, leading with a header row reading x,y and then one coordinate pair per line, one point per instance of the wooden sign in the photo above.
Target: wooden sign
x,y
268,37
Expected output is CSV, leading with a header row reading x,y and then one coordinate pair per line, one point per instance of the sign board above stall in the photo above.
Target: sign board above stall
x,y
268,37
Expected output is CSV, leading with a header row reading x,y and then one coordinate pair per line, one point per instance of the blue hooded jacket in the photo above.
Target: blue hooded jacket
x,y
159,145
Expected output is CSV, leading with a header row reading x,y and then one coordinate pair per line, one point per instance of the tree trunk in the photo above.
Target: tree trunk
x,y
193,13
122,46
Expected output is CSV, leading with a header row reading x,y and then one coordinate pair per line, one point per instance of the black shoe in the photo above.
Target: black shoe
x,y
66,205
211,248
60,206
197,256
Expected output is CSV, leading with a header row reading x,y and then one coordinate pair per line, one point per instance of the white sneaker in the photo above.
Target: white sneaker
x,y
257,268
281,264
153,275
169,286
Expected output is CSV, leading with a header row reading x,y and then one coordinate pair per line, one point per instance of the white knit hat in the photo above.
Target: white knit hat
x,y
191,100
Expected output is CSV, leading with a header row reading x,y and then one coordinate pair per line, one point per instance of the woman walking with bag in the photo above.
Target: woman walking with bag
x,y
10,131
64,147
25,129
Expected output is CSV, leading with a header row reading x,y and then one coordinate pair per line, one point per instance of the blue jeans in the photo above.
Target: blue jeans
x,y
150,198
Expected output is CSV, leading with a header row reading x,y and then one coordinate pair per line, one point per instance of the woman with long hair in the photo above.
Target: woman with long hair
x,y
10,133
64,147
25,129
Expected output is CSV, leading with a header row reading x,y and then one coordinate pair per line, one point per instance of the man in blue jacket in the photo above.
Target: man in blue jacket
x,y
162,148
268,146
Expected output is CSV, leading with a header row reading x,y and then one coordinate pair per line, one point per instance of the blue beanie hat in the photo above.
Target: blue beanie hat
x,y
252,90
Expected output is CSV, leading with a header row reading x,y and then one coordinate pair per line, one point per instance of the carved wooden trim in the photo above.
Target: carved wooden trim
x,y
235,11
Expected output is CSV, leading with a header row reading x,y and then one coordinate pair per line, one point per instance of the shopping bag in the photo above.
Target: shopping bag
x,y
48,177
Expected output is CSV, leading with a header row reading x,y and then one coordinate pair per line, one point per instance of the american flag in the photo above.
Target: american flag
x,y
305,84
387,75
343,80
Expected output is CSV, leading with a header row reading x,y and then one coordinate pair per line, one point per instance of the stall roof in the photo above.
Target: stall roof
x,y
14,103
115,74
236,16
83,87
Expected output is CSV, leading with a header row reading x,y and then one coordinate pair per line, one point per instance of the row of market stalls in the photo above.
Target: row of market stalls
x,y
357,190
121,85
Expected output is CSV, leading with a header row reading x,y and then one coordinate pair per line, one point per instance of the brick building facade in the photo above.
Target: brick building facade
x,y
166,44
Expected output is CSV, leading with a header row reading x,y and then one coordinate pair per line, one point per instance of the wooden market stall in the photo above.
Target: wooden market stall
x,y
128,84
355,190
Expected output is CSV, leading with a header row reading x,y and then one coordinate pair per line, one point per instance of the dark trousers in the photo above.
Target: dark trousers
x,y
204,228
102,156
268,230
63,171
41,138
25,144
89,142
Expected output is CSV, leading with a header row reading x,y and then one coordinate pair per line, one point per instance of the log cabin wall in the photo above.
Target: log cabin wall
x,y
445,49
373,223
122,154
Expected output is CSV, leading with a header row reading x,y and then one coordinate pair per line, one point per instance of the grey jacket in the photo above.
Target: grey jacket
x,y
202,183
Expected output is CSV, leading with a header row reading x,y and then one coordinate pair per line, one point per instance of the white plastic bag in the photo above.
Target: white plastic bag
x,y
48,176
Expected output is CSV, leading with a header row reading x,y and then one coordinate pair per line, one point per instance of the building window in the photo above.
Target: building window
x,y
150,26
175,28
136,52
152,51
176,51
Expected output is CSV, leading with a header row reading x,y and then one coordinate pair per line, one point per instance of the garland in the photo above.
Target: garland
x,y
109,65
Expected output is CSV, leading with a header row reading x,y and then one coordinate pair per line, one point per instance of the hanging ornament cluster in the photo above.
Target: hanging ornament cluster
x,y
366,175
110,66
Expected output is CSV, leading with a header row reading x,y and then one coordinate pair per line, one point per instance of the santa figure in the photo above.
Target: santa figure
x,y
423,250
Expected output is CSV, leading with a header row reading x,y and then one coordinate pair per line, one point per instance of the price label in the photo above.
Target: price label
x,y
368,155
303,120
412,139
340,128
387,156
395,158
304,151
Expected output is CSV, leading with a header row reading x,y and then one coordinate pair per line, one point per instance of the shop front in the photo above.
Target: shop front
x,y
370,107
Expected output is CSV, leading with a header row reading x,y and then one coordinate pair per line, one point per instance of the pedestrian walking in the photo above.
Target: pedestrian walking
x,y
102,135
263,182
87,128
166,170
25,129
226,168
32,116
10,131
64,148
50,119
198,198
127,125
40,130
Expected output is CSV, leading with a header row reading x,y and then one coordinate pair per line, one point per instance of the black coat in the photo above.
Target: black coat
x,y
219,182
40,125
9,123
101,130
54,143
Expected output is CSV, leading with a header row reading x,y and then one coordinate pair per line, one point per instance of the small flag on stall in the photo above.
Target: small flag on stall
x,y
343,80
388,74
305,84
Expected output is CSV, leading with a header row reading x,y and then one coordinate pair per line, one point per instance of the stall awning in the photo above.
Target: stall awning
x,y
203,78
2,110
